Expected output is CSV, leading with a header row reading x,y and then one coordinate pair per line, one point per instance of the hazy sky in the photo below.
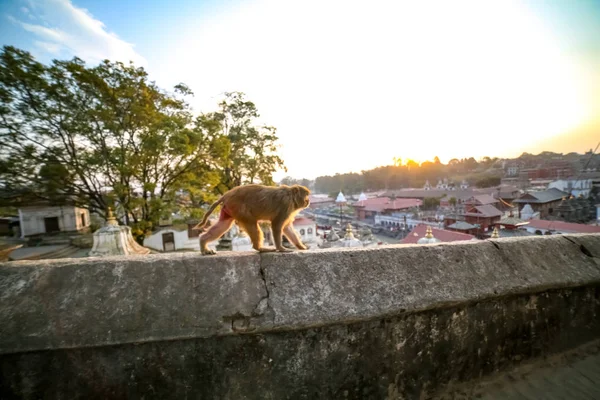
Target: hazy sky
x,y
352,84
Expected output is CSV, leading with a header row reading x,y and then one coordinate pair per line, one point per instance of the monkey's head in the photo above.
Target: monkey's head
x,y
301,196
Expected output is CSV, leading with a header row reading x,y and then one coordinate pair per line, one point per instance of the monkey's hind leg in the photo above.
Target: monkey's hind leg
x,y
214,233
256,235
292,236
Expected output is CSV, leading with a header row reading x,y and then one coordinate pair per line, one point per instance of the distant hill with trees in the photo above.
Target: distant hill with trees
x,y
483,173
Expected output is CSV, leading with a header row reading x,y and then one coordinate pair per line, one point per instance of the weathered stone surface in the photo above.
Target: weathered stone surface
x,y
74,303
395,322
309,289
409,356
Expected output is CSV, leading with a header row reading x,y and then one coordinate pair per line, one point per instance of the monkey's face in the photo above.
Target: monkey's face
x,y
301,196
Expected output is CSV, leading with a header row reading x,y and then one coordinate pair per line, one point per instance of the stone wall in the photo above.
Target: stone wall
x,y
389,322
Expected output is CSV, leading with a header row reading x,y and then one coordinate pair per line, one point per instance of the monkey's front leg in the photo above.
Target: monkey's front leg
x,y
292,236
277,228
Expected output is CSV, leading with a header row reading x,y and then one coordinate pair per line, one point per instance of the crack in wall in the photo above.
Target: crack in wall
x,y
582,248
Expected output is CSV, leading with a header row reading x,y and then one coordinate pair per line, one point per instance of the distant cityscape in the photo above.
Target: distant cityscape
x,y
547,194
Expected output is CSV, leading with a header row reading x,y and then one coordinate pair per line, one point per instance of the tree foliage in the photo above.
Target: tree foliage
x,y
252,151
106,135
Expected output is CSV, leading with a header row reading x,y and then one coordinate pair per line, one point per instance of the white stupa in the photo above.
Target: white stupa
x,y
362,197
114,239
527,212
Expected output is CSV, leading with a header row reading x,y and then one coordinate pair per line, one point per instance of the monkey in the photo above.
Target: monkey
x,y
250,204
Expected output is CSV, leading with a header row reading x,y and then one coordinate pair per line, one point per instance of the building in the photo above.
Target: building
x,y
574,187
476,218
320,201
383,206
543,227
43,219
481,200
510,227
512,170
306,228
556,169
442,235
178,237
544,202
184,237
461,227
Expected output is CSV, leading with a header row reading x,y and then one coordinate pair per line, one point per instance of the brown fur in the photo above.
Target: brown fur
x,y
250,204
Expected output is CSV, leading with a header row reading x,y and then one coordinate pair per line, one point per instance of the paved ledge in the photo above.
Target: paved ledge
x,y
94,302
398,322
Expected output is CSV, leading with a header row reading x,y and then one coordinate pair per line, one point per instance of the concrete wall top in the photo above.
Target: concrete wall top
x,y
101,301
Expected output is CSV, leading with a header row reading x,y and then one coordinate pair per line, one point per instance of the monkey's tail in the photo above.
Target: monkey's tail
x,y
207,215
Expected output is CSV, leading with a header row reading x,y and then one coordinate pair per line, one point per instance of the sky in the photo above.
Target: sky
x,y
352,84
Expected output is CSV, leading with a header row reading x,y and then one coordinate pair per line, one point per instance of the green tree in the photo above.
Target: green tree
x,y
100,136
452,201
431,203
251,156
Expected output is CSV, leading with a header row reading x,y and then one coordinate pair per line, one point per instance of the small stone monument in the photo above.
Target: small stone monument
x,y
114,239
367,238
349,240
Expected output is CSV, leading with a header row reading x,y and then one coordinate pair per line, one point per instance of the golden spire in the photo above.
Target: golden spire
x,y
429,233
349,234
495,234
110,217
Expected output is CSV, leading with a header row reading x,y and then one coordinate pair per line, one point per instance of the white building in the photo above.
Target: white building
x,y
512,170
43,219
307,229
184,238
575,186
178,238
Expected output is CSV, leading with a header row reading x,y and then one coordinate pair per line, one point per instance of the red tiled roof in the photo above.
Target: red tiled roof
x,y
303,221
379,204
442,234
561,226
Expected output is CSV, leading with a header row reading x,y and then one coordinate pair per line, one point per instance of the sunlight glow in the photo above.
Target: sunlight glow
x,y
350,84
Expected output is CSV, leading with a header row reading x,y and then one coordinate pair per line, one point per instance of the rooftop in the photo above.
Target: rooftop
x,y
544,196
421,193
303,221
484,199
563,227
379,204
315,199
513,221
462,226
486,211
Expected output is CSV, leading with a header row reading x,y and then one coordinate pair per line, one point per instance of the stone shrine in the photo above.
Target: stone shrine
x,y
114,239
